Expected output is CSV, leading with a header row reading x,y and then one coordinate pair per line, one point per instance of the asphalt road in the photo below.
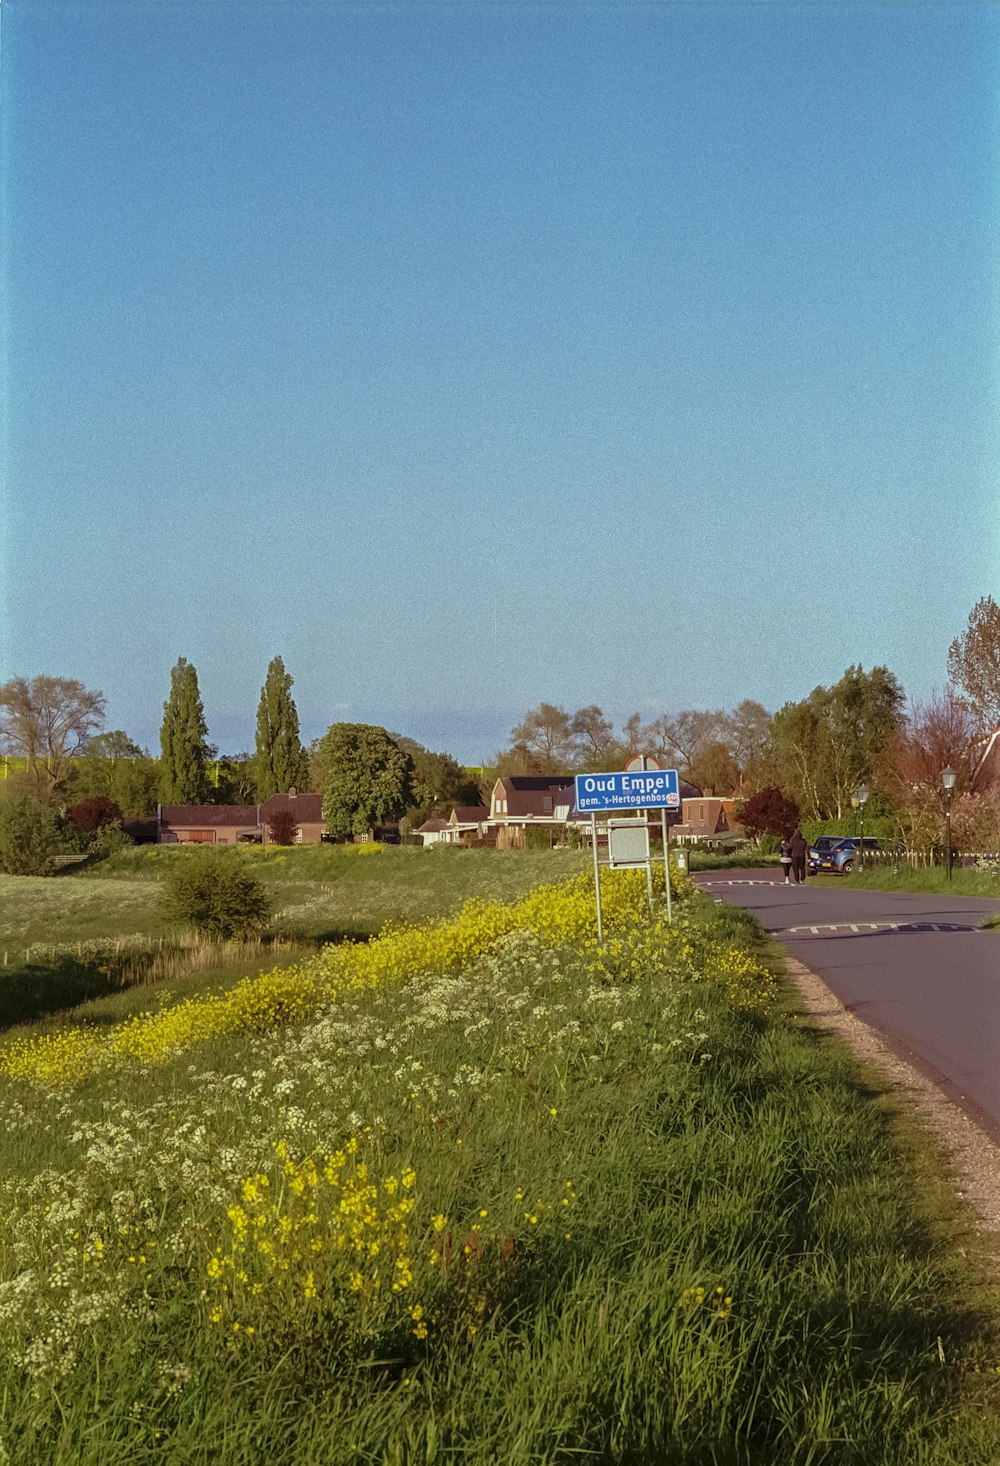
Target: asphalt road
x,y
915,967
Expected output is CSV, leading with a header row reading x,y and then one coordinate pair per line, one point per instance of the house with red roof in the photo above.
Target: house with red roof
x,y
239,824
520,799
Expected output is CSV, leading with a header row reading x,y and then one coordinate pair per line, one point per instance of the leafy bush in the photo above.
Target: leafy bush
x,y
109,840
30,837
539,838
217,897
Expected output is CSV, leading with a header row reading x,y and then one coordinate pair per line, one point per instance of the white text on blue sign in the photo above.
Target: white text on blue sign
x,y
649,789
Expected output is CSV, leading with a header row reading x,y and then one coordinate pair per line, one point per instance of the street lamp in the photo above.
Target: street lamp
x,y
948,777
861,795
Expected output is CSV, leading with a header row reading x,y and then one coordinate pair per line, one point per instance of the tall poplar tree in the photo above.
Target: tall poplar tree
x,y
183,740
280,762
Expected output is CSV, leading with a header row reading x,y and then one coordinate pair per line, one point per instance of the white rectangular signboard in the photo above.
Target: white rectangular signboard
x,y
641,789
628,843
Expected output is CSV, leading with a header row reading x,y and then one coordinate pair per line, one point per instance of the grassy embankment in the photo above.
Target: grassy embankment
x,y
933,879
97,932
493,1196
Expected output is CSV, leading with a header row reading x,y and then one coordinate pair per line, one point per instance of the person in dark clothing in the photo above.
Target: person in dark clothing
x,y
798,848
785,858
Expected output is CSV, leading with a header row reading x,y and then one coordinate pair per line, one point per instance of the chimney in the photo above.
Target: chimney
x,y
293,793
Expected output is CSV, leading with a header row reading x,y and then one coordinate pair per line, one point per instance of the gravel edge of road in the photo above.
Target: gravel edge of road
x,y
973,1158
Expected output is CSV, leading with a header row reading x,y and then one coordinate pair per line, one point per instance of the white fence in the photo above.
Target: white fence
x,y
924,859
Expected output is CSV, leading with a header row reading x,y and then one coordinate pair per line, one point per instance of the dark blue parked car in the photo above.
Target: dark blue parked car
x,y
837,853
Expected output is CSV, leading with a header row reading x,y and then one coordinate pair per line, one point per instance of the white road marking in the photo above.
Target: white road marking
x,y
705,884
877,926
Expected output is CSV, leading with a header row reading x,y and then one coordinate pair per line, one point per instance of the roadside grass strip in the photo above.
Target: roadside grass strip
x,y
480,1192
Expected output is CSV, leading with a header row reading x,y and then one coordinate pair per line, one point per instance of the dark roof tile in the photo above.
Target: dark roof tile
x,y
208,814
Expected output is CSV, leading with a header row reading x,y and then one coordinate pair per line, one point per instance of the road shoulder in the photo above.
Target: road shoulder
x,y
972,1157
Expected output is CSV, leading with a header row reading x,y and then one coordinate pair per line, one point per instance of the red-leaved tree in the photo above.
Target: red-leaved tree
x,y
94,814
938,734
283,827
768,812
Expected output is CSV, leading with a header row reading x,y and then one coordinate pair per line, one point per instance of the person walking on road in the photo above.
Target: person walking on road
x,y
798,847
785,857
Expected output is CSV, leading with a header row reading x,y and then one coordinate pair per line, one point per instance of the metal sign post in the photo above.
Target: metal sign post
x,y
597,878
666,862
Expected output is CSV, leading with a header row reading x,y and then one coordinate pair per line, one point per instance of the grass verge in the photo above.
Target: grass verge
x,y
933,880
538,1205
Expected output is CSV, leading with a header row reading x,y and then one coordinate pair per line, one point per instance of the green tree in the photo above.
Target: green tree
x,y
233,779
714,769
280,762
48,721
746,729
974,661
438,782
113,767
30,836
825,746
183,740
367,778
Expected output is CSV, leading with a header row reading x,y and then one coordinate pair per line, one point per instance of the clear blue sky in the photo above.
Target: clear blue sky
x,y
469,355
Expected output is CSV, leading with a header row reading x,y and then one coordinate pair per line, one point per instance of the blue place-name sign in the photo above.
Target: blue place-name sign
x,y
643,789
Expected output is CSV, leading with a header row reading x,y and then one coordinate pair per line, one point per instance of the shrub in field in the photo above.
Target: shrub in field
x,y
218,898
30,837
108,840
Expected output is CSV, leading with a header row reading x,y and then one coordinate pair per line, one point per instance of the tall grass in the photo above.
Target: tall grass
x,y
49,979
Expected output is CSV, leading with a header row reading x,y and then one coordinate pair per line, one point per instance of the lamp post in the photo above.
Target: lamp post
x,y
948,777
861,795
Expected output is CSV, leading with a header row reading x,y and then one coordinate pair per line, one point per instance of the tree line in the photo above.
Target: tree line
x,y
52,726
815,752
